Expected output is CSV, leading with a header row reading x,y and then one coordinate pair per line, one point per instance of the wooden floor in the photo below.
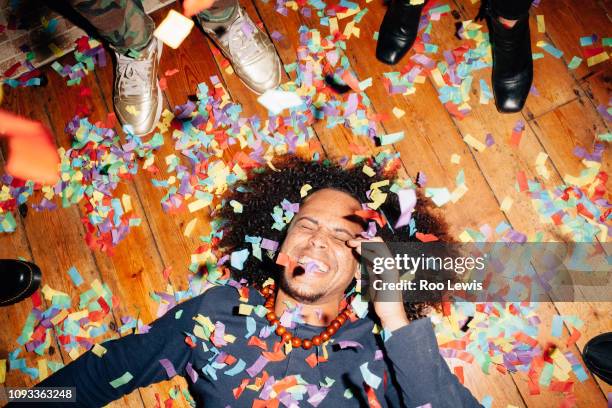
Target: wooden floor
x,y
563,116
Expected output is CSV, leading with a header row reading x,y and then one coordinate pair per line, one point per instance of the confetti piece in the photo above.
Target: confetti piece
x,y
541,24
455,158
407,199
506,204
391,138
167,364
238,258
2,371
311,360
173,30
77,280
549,48
276,101
397,112
370,378
557,326
474,143
574,63
596,59
124,379
304,190
98,350
190,226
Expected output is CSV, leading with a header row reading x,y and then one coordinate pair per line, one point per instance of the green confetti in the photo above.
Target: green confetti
x,y
124,379
575,62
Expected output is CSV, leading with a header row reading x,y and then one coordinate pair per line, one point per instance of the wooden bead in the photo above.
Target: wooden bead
x,y
271,316
335,324
274,322
306,344
296,342
324,336
330,330
280,330
266,291
286,337
341,319
316,340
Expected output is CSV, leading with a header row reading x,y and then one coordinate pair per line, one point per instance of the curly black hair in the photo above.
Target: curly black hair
x,y
265,188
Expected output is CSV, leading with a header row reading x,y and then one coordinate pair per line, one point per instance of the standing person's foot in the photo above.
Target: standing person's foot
x,y
512,63
597,356
19,279
398,31
136,95
248,48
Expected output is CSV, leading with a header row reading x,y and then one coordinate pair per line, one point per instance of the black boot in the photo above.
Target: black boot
x,y
398,31
598,356
19,279
512,63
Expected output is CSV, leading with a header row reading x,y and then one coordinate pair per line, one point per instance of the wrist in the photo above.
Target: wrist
x,y
395,322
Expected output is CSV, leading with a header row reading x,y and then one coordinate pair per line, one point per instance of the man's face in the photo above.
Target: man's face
x,y
318,235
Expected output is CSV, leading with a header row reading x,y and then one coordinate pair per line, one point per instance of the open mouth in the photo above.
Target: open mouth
x,y
312,265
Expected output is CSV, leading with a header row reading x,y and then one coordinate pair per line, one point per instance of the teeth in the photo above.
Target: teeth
x,y
305,260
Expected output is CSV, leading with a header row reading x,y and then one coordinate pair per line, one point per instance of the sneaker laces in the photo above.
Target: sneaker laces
x,y
133,74
243,46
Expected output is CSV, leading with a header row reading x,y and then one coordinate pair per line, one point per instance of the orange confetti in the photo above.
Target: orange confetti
x,y
312,360
459,373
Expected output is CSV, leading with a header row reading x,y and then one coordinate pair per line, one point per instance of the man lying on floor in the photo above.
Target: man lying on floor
x,y
307,347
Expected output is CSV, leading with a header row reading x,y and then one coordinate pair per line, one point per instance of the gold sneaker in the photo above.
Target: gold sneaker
x,y
248,48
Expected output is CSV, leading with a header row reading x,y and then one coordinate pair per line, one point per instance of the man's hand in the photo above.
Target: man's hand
x,y
391,313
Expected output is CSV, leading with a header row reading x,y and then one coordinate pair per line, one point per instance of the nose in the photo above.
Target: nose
x,y
318,240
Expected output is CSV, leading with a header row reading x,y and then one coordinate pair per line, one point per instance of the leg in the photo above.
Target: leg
x,y
121,23
508,23
137,98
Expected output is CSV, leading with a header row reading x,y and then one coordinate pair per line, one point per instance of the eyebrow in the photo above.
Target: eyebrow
x,y
317,223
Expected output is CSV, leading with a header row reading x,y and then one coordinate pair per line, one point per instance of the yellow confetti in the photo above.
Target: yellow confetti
x,y
190,226
397,112
197,205
245,309
237,206
132,109
541,24
2,371
99,350
42,369
74,354
475,143
455,158
127,203
174,29
506,204
368,171
596,59
305,189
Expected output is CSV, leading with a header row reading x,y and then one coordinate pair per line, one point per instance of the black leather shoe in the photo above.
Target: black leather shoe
x,y
18,280
398,31
512,63
598,356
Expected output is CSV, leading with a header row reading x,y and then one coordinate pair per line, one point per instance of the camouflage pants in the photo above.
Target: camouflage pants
x,y
125,25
